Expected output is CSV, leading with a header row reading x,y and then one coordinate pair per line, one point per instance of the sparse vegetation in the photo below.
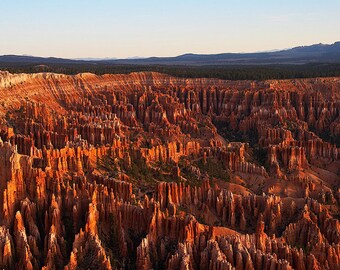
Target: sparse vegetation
x,y
109,165
214,169
260,155
113,243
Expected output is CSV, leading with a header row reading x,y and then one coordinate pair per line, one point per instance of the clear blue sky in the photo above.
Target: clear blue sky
x,y
125,28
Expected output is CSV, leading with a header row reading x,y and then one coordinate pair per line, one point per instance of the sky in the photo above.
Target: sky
x,y
129,28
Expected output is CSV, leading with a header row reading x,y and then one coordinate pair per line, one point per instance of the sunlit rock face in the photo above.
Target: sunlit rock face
x,y
148,171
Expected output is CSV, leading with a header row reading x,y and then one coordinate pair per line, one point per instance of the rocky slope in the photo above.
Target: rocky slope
x,y
147,171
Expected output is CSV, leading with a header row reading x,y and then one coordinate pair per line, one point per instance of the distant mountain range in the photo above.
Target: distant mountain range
x,y
317,53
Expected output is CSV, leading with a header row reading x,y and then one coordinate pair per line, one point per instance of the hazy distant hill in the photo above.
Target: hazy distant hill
x,y
318,53
34,59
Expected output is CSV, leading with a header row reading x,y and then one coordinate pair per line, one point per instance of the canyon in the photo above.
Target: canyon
x,y
148,171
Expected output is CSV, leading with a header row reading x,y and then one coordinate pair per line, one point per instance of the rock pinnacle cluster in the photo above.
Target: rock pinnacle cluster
x,y
148,171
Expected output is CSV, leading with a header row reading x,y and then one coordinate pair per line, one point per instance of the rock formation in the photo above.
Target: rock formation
x,y
148,171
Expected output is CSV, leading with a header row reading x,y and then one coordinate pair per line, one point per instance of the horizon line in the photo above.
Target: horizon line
x,y
168,56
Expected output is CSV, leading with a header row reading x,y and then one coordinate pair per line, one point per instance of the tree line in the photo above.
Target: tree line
x,y
245,72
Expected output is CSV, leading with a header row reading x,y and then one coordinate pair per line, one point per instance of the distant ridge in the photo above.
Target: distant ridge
x,y
34,59
317,53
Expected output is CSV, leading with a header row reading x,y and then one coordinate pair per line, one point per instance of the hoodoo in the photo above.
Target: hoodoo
x,y
149,171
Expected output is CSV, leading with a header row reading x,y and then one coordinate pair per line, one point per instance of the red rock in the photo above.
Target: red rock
x,y
56,197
